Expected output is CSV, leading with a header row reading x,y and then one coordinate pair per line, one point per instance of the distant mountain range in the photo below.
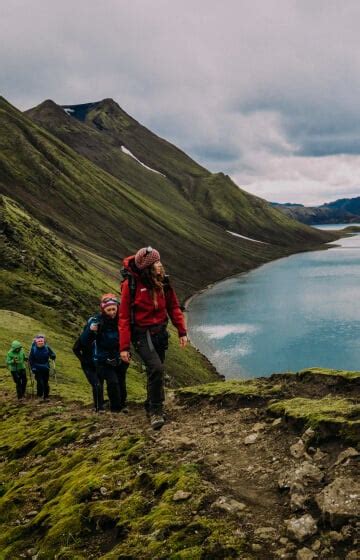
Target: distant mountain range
x,y
343,210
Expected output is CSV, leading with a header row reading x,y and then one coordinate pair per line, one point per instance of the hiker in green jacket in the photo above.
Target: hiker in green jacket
x,y
15,361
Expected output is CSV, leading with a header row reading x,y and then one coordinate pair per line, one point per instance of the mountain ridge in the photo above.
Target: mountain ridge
x,y
342,210
215,196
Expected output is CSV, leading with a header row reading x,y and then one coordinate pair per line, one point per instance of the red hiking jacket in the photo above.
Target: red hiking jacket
x,y
145,313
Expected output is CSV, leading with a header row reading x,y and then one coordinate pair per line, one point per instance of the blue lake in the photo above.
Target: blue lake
x,y
298,312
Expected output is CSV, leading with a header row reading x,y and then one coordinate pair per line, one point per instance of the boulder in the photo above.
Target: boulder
x,y
301,528
306,473
340,500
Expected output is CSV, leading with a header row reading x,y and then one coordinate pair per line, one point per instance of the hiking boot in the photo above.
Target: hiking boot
x,y
125,410
157,421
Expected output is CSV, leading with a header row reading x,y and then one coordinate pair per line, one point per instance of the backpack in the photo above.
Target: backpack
x,y
126,274
82,351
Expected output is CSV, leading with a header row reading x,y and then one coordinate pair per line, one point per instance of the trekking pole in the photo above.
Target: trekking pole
x,y
97,381
31,381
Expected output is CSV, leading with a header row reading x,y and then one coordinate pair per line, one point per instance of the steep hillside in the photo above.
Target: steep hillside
x,y
93,209
215,196
46,285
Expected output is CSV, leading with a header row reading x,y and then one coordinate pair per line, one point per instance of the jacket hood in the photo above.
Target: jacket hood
x,y
15,345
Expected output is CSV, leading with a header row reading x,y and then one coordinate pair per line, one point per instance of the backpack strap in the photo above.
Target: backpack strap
x,y
132,290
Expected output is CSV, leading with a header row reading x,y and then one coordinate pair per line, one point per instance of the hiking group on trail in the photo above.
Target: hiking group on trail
x,y
39,365
148,300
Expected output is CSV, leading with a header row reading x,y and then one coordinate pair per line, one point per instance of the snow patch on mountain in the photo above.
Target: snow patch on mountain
x,y
247,238
128,153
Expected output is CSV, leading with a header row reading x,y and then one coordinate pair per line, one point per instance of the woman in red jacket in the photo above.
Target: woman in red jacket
x,y
147,300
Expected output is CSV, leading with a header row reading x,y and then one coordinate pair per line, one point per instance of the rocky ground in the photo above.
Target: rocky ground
x,y
265,469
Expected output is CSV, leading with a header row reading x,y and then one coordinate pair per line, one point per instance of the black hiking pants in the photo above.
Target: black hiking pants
x,y
20,379
97,387
42,383
151,346
115,377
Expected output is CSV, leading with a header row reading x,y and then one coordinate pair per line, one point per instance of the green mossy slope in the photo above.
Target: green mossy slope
x,y
75,487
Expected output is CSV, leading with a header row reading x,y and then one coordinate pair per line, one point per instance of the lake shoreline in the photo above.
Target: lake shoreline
x,y
322,247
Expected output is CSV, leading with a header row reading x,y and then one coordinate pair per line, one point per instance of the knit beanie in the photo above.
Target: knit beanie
x,y
39,338
146,257
107,300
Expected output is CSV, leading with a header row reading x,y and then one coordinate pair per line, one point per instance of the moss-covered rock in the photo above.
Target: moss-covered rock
x,y
331,416
228,393
330,375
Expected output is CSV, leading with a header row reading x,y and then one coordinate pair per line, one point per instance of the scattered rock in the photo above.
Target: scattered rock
x,y
256,547
180,496
32,513
335,536
265,533
251,438
308,436
277,422
308,472
340,500
298,500
228,504
352,555
319,455
305,554
183,442
301,528
316,545
259,426
297,450
303,475
346,454
100,434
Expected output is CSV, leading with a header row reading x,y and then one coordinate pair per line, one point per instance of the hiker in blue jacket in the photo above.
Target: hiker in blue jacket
x,y
39,360
102,333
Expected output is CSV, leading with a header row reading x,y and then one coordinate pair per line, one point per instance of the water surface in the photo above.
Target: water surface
x,y
297,312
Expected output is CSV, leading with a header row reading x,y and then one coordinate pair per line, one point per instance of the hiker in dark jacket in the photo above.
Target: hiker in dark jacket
x,y
15,361
147,300
39,360
84,353
102,333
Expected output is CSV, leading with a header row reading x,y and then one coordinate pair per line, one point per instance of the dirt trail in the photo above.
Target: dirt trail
x,y
242,453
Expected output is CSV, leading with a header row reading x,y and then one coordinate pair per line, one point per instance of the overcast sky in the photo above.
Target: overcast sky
x,y
267,91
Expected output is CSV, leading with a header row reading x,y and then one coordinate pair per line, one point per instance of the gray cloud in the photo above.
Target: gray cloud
x,y
260,90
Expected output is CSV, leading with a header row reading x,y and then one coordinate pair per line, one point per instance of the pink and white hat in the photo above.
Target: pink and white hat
x,y
146,257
